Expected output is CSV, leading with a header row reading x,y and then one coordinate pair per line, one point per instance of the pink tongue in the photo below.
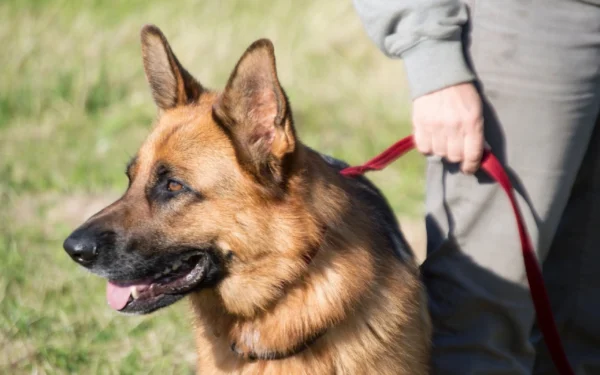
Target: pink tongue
x,y
117,296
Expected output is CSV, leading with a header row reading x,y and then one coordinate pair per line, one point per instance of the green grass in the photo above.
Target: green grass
x,y
74,106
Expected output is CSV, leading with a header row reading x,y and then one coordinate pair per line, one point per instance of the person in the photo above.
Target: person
x,y
523,75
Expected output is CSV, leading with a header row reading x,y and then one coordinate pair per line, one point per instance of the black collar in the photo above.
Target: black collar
x,y
276,355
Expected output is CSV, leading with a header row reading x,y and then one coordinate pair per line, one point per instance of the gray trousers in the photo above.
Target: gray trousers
x,y
538,62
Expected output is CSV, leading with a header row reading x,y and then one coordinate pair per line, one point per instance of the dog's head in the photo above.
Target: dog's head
x,y
210,201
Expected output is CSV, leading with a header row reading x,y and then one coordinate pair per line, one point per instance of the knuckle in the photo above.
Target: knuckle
x,y
422,144
469,168
439,151
423,148
454,158
428,124
453,126
475,122
418,127
419,137
420,124
473,153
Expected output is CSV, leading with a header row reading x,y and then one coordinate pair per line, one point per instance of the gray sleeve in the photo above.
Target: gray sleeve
x,y
426,34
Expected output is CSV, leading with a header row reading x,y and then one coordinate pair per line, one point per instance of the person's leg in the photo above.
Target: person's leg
x,y
537,62
572,271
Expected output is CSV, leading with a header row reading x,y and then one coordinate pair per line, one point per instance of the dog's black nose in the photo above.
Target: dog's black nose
x,y
82,247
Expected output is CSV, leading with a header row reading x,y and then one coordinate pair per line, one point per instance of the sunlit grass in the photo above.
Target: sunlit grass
x,y
74,106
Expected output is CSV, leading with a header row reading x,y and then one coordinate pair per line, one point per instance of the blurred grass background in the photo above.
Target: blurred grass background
x,y
74,106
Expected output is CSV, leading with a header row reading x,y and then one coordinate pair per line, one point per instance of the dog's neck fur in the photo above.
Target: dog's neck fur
x,y
326,291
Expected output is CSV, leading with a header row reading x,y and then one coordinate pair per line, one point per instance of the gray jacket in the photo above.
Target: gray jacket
x,y
426,34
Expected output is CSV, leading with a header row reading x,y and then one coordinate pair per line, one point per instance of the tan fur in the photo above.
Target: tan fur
x,y
369,304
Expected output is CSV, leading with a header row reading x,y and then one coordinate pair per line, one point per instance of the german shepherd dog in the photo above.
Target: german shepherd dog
x,y
290,267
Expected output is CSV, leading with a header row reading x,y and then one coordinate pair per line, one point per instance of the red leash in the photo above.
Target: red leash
x,y
541,302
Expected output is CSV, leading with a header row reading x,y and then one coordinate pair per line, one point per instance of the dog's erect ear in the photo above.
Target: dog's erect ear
x,y
171,84
255,111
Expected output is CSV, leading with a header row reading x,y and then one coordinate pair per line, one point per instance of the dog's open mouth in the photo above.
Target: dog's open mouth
x,y
162,289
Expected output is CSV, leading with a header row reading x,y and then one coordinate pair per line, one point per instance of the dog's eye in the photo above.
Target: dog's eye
x,y
174,186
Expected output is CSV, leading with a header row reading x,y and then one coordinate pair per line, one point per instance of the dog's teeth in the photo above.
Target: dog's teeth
x,y
134,292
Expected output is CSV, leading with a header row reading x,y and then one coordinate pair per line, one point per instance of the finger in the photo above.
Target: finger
x,y
473,150
422,140
455,146
439,143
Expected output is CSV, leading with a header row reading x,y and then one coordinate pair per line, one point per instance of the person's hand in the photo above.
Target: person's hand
x,y
449,123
